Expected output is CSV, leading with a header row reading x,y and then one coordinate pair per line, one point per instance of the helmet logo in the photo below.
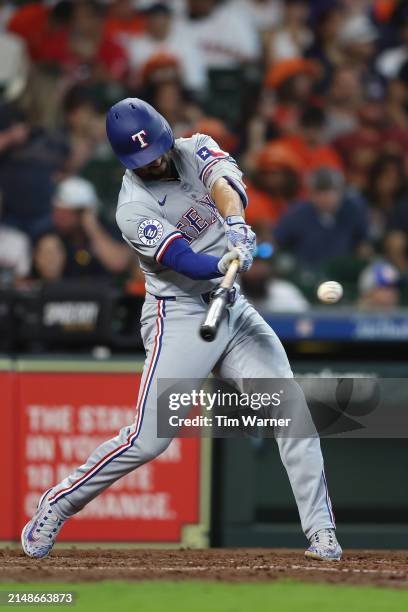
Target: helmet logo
x,y
139,136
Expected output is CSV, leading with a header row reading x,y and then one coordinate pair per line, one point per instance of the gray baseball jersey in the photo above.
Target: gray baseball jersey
x,y
152,214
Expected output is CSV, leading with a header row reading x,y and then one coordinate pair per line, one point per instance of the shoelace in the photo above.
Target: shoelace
x,y
324,537
48,525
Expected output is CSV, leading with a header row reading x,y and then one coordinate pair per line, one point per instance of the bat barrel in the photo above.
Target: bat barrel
x,y
211,323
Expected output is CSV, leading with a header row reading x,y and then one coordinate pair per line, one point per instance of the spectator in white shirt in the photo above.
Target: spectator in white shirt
x,y
265,14
225,36
165,34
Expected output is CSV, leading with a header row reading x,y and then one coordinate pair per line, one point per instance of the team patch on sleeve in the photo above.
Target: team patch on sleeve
x,y
205,153
150,232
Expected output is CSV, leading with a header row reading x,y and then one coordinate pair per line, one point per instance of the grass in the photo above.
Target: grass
x,y
195,596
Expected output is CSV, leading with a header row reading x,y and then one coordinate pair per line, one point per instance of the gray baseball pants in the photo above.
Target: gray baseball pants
x,y
245,347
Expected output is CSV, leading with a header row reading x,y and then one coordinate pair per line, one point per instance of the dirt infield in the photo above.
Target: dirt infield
x,y
386,568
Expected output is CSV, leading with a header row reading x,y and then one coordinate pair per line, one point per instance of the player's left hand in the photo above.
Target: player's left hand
x,y
239,233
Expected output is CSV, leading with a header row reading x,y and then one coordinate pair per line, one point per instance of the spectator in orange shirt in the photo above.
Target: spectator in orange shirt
x,y
287,88
123,21
276,182
309,143
291,84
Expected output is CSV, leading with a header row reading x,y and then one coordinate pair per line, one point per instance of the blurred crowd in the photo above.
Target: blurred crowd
x,y
311,98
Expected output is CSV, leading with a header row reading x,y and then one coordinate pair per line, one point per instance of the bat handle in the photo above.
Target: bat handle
x,y
211,323
231,274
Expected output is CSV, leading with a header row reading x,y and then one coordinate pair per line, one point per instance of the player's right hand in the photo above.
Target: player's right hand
x,y
242,253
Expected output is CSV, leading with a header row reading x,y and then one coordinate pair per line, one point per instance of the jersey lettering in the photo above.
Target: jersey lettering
x,y
192,224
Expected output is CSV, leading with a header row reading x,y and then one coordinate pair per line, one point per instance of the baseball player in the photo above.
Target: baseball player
x,y
182,208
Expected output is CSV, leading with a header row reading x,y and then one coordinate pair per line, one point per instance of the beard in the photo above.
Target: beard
x,y
155,173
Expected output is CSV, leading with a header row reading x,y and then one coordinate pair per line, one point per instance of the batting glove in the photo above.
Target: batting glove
x,y
239,233
242,253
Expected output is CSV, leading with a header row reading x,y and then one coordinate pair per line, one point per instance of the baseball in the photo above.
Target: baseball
x,y
330,292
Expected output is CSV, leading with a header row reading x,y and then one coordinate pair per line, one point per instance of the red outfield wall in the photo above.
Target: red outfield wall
x,y
55,420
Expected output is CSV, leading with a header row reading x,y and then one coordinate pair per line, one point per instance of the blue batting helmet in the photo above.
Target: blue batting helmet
x,y
138,134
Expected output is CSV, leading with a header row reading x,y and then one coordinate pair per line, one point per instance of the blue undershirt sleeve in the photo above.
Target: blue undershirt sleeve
x,y
180,257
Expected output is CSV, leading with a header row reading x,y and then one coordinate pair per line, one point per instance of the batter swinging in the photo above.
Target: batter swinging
x,y
181,207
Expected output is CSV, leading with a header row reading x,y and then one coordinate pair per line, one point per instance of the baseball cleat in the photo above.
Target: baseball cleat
x,y
324,546
39,535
